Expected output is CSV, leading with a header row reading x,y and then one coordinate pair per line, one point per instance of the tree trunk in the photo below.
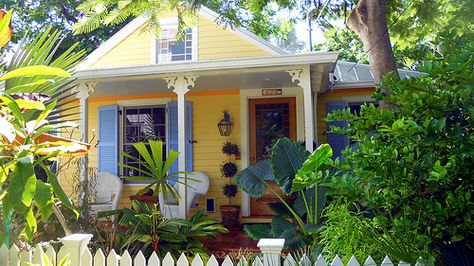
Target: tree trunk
x,y
369,21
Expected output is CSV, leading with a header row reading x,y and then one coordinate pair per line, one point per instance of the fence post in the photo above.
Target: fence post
x,y
271,250
75,245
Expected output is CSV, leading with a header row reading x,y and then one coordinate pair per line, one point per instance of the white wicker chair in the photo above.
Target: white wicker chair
x,y
198,186
107,194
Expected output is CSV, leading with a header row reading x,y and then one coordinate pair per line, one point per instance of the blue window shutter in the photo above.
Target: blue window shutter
x,y
173,134
338,142
108,139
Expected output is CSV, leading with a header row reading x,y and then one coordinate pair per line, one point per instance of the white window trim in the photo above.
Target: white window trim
x,y
139,104
172,23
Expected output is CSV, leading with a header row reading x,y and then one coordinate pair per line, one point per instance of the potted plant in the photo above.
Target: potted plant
x,y
230,212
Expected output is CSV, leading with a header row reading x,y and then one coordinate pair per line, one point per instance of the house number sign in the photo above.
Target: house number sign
x,y
271,92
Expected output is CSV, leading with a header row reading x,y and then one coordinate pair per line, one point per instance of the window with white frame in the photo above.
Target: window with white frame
x,y
172,48
140,125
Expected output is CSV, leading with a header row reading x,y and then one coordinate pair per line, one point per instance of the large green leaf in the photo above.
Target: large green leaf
x,y
258,231
251,179
44,199
22,186
287,158
314,168
58,191
301,208
30,71
7,130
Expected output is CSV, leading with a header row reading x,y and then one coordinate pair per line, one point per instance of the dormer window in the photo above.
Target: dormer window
x,y
172,49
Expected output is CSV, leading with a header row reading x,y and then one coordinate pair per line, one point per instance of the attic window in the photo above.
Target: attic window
x,y
172,49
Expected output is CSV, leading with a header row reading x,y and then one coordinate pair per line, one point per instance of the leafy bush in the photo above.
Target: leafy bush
x,y
411,172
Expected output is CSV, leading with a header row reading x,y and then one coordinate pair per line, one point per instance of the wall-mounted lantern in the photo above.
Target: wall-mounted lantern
x,y
225,125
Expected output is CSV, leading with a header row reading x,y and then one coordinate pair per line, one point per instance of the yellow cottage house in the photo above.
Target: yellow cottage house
x,y
182,88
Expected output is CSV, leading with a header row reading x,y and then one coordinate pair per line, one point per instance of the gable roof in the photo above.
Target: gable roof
x,y
140,21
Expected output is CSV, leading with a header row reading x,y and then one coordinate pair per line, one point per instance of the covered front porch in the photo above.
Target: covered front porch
x,y
211,87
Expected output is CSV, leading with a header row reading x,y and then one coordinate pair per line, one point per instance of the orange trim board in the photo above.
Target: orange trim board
x,y
165,95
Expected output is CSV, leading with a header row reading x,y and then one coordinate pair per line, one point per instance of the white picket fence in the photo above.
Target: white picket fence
x,y
75,248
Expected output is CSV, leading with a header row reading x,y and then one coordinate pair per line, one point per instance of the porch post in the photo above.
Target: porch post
x,y
180,84
82,92
302,78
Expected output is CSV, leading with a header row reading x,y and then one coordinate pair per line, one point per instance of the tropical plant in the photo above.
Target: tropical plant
x,y
411,174
25,120
299,174
146,229
154,167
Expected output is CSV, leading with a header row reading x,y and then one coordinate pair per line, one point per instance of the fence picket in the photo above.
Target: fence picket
x,y
387,262
139,259
38,255
25,256
305,261
154,260
126,259
289,261
337,261
212,261
51,254
370,261
227,261
86,258
3,255
320,261
13,256
167,261
402,263
257,262
182,260
99,258
197,261
63,252
353,262
113,259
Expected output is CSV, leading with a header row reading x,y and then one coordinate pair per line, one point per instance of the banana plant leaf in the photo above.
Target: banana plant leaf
x,y
251,179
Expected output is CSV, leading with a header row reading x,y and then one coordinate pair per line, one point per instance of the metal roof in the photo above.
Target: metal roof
x,y
346,73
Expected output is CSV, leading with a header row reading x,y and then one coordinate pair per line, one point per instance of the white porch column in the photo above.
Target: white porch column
x,y
302,78
180,84
83,91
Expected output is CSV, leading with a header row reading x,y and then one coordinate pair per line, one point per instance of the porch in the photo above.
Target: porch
x,y
212,87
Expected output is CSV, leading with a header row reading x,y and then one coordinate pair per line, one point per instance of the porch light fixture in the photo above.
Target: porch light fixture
x,y
225,125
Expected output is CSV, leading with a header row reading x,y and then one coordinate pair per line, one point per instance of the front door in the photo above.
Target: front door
x,y
270,119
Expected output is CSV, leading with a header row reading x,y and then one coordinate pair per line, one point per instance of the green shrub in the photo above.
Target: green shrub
x,y
411,171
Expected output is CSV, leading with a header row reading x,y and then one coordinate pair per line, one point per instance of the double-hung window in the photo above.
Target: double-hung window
x,y
173,48
140,125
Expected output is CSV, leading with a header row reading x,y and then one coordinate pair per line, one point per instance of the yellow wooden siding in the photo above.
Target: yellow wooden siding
x,y
331,97
207,155
133,50
214,42
218,43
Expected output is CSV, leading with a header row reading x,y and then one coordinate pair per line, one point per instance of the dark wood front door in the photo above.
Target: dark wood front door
x,y
270,119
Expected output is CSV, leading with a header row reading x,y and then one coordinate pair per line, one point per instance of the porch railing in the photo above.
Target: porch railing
x,y
75,249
